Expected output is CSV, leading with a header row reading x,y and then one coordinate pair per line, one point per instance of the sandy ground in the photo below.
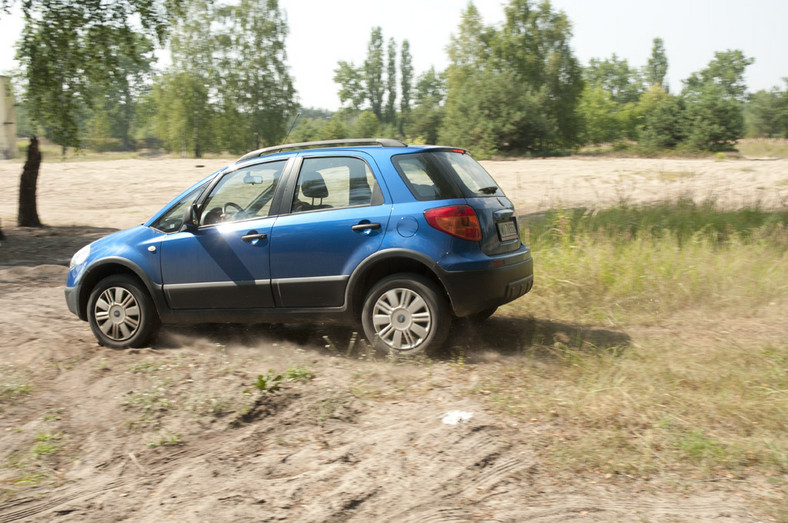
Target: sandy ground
x,y
177,432
123,193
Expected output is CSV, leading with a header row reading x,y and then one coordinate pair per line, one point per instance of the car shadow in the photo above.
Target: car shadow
x,y
531,336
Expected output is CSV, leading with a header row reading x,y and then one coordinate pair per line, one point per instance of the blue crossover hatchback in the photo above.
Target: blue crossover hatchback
x,y
399,238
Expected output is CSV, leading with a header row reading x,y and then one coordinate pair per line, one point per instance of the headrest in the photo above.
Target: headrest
x,y
313,185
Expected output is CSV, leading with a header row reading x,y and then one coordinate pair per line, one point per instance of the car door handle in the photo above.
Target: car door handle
x,y
254,235
365,226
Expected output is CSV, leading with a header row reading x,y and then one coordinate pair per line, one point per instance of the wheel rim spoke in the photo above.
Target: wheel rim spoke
x,y
117,313
401,318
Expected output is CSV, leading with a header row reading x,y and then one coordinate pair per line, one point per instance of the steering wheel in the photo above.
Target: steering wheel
x,y
232,204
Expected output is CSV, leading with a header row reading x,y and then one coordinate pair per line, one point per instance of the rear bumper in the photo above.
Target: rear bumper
x,y
472,291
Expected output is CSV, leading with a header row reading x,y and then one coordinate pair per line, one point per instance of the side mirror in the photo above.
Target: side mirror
x,y
191,217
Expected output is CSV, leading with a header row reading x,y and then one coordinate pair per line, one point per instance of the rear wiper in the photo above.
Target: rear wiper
x,y
489,190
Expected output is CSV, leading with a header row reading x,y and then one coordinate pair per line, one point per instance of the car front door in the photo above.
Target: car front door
x,y
223,262
338,218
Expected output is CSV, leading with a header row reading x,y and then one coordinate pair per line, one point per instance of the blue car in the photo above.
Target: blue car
x,y
399,238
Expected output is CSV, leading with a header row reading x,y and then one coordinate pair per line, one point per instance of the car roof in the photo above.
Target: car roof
x,y
367,144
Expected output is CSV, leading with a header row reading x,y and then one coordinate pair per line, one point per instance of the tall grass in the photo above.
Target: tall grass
x,y
630,264
763,147
701,391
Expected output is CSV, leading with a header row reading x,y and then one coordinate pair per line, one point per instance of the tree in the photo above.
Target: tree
x,y
113,109
714,100
726,70
425,118
663,119
390,114
766,113
367,125
184,114
373,72
251,68
28,210
68,50
229,89
406,77
335,128
535,43
351,81
621,86
622,83
530,63
657,66
599,116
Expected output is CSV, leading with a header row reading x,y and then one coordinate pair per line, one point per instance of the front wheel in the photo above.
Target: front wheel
x,y
121,313
405,314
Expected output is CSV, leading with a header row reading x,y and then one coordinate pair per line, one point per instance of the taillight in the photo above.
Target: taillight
x,y
457,220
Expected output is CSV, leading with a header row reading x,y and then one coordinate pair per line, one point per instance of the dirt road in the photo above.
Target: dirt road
x,y
180,432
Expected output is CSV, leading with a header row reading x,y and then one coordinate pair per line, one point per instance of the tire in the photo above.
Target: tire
x,y
405,314
121,313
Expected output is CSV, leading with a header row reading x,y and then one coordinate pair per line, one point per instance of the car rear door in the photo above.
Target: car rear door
x,y
338,218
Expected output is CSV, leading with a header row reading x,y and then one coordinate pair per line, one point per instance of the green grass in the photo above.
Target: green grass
x,y
702,387
763,147
635,265
12,387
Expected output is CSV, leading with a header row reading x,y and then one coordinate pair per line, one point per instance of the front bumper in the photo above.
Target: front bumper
x,y
72,300
472,291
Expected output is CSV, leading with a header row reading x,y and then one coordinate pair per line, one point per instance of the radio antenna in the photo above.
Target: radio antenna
x,y
292,126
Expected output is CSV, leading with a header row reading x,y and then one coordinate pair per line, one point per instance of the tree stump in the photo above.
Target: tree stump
x,y
28,211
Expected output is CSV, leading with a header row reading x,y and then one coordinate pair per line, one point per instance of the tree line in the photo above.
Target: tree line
x,y
87,79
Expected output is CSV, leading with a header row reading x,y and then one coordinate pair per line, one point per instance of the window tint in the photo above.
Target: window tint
x,y
331,183
172,220
444,175
474,179
243,194
425,177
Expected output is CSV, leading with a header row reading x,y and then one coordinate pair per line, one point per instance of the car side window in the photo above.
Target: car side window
x,y
172,220
243,194
425,177
335,182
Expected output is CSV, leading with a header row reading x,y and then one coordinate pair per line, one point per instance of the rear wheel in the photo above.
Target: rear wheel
x,y
121,313
406,314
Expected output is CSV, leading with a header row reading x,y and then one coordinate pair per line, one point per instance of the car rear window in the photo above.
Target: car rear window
x,y
444,175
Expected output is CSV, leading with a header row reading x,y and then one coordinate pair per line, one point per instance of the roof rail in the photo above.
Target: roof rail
x,y
383,142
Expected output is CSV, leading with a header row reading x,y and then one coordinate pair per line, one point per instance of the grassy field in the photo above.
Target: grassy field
x,y
763,147
702,388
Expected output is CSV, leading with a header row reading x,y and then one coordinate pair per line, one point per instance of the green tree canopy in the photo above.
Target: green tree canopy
x,y
529,63
714,100
373,72
69,51
622,82
766,113
657,67
228,89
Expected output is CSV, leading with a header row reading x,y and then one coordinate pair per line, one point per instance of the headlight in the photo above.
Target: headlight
x,y
80,256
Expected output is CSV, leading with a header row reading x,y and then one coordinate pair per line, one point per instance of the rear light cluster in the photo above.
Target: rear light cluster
x,y
458,220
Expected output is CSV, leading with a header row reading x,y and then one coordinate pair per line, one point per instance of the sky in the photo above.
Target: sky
x,y
323,32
